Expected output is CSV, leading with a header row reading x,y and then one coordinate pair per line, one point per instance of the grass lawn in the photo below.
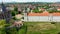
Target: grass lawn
x,y
39,28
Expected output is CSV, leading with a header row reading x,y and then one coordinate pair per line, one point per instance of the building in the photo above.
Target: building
x,y
45,16
5,14
58,9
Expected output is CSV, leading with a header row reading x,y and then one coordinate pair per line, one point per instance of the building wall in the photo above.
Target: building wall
x,y
42,18
56,18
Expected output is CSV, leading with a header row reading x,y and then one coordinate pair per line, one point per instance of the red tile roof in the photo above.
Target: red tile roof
x,y
56,14
43,14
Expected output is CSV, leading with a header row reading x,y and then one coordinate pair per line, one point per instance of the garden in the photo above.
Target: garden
x,y
40,28
31,28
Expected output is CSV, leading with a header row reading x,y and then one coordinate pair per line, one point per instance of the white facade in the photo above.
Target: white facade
x,y
56,18
42,18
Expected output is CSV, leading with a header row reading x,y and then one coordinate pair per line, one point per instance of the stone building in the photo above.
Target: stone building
x,y
4,13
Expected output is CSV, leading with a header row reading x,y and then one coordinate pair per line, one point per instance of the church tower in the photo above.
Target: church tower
x,y
5,14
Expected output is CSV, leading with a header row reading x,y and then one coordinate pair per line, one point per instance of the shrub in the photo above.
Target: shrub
x,y
58,32
2,23
11,31
2,26
53,22
2,30
23,30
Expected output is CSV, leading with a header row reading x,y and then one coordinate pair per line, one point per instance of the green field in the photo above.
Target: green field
x,y
39,28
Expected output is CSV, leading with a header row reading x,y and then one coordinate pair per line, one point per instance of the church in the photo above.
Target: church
x,y
4,13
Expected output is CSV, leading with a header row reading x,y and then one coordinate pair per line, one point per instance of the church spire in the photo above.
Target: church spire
x,y
6,14
3,7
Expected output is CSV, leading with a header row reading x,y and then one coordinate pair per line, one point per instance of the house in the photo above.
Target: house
x,y
58,9
55,4
41,9
45,16
10,8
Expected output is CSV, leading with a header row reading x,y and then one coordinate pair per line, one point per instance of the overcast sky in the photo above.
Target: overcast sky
x,y
30,0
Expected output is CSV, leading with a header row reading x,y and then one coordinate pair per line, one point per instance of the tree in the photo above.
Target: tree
x,y
15,9
13,13
2,26
52,10
37,11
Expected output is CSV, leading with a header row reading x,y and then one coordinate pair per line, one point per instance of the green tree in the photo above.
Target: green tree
x,y
13,13
52,10
15,9
2,26
37,11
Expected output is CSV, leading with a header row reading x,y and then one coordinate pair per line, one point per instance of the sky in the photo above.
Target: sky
x,y
29,1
